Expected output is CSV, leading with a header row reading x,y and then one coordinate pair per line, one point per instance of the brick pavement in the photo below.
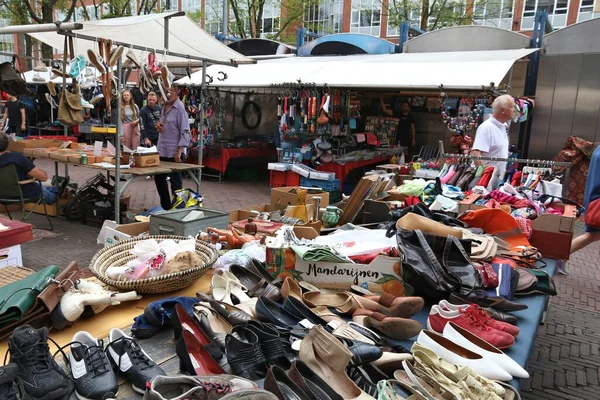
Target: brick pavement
x,y
566,360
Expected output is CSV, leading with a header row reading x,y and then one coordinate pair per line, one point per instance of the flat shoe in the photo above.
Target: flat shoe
x,y
394,327
408,306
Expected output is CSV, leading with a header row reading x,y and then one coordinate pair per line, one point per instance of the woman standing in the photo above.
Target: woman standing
x,y
130,115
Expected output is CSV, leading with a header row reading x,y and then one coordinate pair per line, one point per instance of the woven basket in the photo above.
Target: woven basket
x,y
10,275
118,254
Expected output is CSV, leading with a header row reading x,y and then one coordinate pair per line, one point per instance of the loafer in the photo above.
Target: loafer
x,y
311,383
453,353
497,303
256,285
260,269
362,353
237,317
301,311
271,312
282,386
244,354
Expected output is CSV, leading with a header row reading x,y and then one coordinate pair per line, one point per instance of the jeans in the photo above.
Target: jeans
x,y
162,187
50,194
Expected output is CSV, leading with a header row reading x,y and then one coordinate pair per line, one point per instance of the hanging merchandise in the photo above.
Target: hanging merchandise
x,y
468,114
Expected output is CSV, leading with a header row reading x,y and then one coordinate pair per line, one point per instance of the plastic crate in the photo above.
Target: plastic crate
x,y
292,179
328,186
277,178
176,223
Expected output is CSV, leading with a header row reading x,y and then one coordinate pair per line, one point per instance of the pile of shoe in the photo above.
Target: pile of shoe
x,y
151,75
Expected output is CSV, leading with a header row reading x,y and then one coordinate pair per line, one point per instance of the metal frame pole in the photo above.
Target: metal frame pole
x,y
201,133
225,21
118,147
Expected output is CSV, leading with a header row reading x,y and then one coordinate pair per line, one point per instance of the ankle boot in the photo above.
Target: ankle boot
x,y
244,355
328,358
270,344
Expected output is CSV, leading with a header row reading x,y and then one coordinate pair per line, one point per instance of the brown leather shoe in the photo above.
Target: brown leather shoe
x,y
406,306
394,327
347,303
256,285
291,288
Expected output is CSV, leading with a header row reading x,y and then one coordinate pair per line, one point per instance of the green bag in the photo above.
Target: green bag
x,y
19,297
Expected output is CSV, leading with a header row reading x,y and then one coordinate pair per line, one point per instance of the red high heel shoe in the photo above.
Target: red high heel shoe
x,y
193,358
181,321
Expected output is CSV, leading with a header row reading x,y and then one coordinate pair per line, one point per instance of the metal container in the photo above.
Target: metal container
x,y
187,222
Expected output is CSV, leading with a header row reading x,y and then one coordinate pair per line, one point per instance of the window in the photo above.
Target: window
x,y
496,13
366,17
588,9
324,17
397,14
557,12
190,5
270,18
168,5
7,43
213,16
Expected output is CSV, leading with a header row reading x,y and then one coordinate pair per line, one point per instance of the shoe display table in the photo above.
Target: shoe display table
x,y
529,321
342,170
219,163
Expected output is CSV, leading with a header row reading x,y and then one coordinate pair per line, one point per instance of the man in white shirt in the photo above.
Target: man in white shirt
x,y
491,139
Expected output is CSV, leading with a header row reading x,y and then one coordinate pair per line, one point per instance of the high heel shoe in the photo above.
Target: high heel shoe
x,y
311,383
211,322
328,358
278,383
181,320
193,357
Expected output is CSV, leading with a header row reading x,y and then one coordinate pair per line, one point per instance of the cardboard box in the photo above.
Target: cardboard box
x,y
382,275
60,156
245,213
42,153
11,256
52,209
146,160
282,197
375,211
552,234
112,235
20,145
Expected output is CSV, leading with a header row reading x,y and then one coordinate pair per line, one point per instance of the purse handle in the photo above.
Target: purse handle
x,y
437,267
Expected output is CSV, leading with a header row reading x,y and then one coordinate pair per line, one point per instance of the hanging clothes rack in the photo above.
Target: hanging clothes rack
x,y
541,163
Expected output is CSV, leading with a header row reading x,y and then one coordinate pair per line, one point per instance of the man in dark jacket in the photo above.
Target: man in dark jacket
x,y
149,116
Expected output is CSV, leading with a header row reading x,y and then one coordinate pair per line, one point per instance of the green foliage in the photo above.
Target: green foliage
x,y
195,16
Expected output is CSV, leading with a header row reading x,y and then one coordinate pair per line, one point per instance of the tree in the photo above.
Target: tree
x,y
22,12
430,14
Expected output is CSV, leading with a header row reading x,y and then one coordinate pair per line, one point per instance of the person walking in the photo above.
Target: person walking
x,y
130,116
173,140
149,116
14,112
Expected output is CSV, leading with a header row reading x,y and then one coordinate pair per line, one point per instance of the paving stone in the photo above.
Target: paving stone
x,y
581,377
592,376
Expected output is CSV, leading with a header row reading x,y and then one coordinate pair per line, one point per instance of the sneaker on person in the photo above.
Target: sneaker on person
x,y
563,268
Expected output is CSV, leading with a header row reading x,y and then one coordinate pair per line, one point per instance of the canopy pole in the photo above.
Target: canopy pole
x,y
201,133
39,28
118,147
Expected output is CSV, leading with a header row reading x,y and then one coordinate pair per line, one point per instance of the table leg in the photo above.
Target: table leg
x,y
66,170
56,174
125,185
193,177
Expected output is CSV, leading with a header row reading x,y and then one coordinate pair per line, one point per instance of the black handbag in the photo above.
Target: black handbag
x,y
436,266
423,210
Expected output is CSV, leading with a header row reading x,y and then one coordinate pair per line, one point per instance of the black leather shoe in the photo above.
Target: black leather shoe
x,y
278,383
269,311
311,383
244,354
257,285
301,311
481,299
362,353
233,317
380,341
501,316
260,269
217,338
270,344
364,380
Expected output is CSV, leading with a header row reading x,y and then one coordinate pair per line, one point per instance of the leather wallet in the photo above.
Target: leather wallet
x,y
45,301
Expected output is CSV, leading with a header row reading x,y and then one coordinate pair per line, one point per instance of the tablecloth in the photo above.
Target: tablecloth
x,y
341,171
220,163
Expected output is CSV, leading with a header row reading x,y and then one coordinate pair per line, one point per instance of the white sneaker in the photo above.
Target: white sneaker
x,y
38,78
456,354
466,339
85,104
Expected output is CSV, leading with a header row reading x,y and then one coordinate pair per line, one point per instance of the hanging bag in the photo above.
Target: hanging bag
x,y
69,106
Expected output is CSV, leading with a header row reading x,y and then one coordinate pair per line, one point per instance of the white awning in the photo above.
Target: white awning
x,y
454,70
185,37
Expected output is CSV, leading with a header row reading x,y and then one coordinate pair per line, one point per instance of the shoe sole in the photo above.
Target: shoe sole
x,y
397,330
108,395
138,390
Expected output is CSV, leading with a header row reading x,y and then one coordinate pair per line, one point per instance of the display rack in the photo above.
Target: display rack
x,y
541,163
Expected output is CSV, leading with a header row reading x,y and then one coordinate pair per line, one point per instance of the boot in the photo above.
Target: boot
x,y
244,355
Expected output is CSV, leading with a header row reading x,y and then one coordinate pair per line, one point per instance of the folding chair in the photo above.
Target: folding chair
x,y
11,193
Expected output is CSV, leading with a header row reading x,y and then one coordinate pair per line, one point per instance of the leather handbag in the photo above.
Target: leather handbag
x,y
55,285
18,298
69,106
435,274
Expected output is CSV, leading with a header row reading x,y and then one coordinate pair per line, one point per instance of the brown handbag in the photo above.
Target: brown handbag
x,y
69,105
46,301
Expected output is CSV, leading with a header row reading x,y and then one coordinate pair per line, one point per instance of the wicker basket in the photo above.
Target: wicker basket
x,y
118,254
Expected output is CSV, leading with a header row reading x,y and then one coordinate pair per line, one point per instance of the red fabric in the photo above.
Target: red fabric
x,y
497,222
486,176
220,163
578,152
341,171
516,179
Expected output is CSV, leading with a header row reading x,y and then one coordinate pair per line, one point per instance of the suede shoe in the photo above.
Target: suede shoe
x,y
8,375
184,387
39,374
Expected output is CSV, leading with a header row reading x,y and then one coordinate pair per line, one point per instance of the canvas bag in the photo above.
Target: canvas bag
x,y
69,106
